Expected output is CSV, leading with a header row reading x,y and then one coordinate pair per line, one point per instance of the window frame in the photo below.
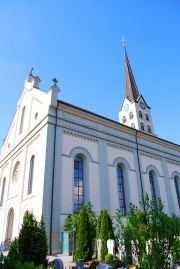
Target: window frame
x,y
149,129
2,192
152,188
121,189
142,126
147,117
176,179
22,120
124,119
140,114
31,175
131,115
78,182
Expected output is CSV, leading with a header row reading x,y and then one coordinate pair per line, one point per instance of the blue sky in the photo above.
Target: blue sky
x,y
79,43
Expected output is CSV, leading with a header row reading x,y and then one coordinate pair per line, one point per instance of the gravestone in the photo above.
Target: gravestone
x,y
58,264
99,249
104,266
80,263
111,246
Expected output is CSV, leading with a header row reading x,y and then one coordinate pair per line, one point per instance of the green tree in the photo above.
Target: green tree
x,y
84,238
71,221
104,231
42,244
151,234
31,245
70,224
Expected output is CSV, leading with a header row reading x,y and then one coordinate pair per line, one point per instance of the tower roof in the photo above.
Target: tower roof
x,y
131,90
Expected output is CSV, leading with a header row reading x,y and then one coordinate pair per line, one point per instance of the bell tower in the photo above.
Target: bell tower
x,y
134,111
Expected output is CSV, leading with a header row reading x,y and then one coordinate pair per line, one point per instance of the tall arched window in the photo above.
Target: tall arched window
x,y
142,126
10,222
22,120
131,115
31,173
121,193
78,183
16,171
177,186
133,125
2,192
153,192
140,114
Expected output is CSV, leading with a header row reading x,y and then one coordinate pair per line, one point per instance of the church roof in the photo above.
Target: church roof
x,y
131,90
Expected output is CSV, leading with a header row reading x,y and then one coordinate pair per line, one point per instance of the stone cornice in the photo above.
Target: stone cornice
x,y
173,162
150,156
79,135
119,147
82,113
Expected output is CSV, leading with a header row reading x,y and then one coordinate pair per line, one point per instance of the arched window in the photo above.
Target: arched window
x,y
121,193
140,114
131,115
124,119
153,192
78,183
149,129
31,173
177,186
147,117
16,170
22,120
10,222
2,192
142,126
133,125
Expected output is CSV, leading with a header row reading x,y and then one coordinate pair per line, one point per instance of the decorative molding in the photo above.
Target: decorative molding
x,y
119,147
33,139
150,156
119,140
82,136
173,162
80,128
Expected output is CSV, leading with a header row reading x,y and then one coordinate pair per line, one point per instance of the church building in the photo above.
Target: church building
x,y
57,156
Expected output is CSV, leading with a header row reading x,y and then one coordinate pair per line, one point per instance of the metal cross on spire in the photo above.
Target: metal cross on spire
x,y
55,81
123,41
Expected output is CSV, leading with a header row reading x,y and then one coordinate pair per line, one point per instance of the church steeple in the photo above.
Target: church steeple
x,y
134,111
131,90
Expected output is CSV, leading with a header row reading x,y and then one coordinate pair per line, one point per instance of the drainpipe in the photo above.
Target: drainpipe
x,y
137,148
53,179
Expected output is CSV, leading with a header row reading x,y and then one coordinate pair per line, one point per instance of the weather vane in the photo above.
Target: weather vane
x,y
55,81
123,41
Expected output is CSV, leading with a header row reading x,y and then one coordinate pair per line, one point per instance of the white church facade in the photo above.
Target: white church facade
x,y
57,156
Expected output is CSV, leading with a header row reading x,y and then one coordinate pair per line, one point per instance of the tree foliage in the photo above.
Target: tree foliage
x,y
104,230
32,241
31,245
71,221
151,234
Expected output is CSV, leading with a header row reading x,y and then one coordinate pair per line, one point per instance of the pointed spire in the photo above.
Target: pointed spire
x,y
131,90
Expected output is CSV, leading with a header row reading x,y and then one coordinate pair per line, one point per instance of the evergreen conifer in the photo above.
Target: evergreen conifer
x,y
84,248
104,230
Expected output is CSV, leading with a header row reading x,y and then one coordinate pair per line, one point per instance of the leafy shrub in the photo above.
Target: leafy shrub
x,y
27,265
108,258
93,264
